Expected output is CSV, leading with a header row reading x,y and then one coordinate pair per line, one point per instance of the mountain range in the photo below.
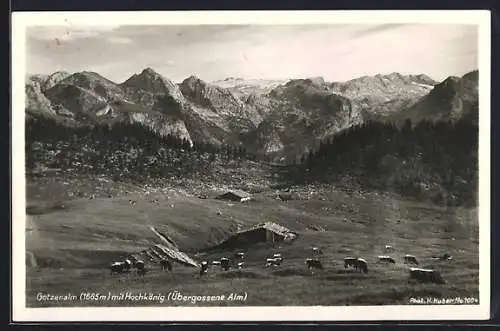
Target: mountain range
x,y
282,119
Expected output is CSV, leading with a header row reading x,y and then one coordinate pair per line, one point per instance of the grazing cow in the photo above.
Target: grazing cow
x,y
131,202
203,268
132,258
349,262
361,265
317,251
239,255
314,263
127,265
426,275
240,265
386,259
224,263
273,262
166,264
140,267
410,259
117,267
445,256
278,258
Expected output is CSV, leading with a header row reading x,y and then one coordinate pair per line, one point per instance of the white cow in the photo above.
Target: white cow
x,y
426,275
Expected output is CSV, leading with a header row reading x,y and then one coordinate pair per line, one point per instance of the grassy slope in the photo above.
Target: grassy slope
x,y
75,242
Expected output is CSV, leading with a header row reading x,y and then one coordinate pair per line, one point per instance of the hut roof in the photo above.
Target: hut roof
x,y
239,193
271,226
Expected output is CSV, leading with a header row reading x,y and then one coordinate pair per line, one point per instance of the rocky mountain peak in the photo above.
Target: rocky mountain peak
x,y
317,80
299,88
423,79
451,99
193,83
55,78
149,71
152,83
473,76
215,98
150,74
36,101
394,76
92,82
451,84
86,79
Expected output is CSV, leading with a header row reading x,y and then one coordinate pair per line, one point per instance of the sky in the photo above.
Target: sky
x,y
212,52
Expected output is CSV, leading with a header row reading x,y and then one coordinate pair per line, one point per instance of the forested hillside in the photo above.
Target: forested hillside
x,y
436,161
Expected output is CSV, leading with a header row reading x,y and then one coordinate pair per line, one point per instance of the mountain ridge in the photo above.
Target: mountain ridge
x,y
283,119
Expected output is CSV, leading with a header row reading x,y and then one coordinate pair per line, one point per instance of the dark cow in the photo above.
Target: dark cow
x,y
278,256
224,263
117,267
274,261
314,263
386,259
165,264
361,265
140,267
426,275
349,262
317,251
410,259
203,268
132,202
127,265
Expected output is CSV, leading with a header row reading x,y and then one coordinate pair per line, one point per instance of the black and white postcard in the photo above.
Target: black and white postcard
x,y
251,166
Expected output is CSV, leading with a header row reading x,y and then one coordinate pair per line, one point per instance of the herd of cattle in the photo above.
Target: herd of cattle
x,y
225,264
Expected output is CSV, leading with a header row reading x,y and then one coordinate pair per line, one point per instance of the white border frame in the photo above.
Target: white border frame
x,y
22,20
